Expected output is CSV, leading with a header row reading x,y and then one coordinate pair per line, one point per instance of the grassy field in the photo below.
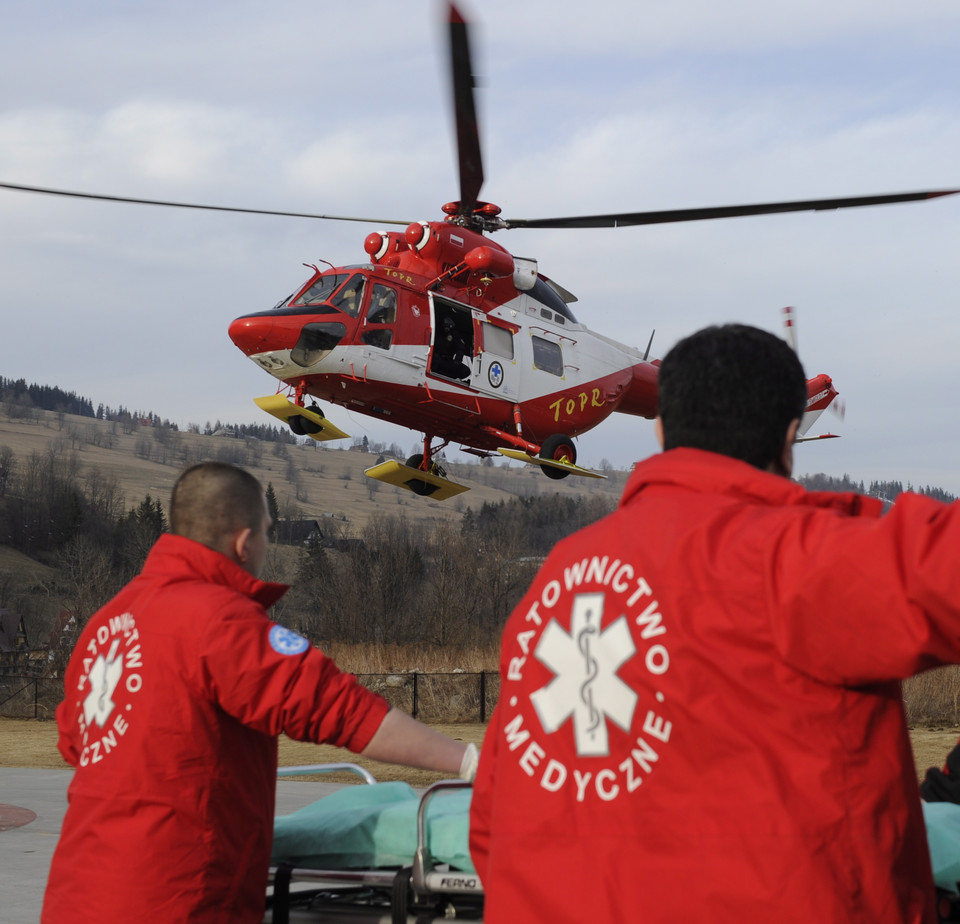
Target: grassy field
x,y
329,482
29,743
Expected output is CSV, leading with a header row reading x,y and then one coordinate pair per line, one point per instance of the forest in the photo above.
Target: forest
x,y
393,579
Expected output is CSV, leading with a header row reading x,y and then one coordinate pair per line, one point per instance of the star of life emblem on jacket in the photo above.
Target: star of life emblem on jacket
x,y
104,677
585,661
112,676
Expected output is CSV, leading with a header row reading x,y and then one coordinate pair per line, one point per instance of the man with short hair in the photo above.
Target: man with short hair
x,y
175,695
700,715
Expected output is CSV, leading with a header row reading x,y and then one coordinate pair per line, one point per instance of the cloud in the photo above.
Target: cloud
x,y
344,109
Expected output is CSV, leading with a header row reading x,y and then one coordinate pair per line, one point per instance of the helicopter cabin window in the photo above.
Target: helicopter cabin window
x,y
548,296
547,356
350,297
383,305
497,340
321,290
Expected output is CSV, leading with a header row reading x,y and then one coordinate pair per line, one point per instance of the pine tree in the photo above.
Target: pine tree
x,y
273,508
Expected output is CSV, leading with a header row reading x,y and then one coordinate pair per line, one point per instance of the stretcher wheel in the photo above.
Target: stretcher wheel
x,y
400,896
948,907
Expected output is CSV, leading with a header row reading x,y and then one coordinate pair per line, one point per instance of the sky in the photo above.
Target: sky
x,y
343,108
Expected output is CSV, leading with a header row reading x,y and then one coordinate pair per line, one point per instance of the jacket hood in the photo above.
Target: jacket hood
x,y
182,557
709,472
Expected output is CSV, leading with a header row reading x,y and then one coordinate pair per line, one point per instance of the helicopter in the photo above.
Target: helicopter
x,y
443,331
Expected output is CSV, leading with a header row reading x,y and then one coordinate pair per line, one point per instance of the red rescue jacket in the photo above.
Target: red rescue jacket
x,y
175,695
701,717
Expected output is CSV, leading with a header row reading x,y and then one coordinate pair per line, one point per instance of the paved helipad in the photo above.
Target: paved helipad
x,y
26,845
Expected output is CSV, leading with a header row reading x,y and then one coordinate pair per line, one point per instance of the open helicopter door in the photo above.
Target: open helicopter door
x,y
453,341
473,349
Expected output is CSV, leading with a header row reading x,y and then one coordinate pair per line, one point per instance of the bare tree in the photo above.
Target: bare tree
x,y
104,494
86,576
452,609
8,465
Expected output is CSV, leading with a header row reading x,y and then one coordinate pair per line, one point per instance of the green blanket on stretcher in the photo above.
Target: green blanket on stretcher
x,y
374,826
943,837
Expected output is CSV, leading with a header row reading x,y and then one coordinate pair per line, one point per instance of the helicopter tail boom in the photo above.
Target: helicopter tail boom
x,y
820,395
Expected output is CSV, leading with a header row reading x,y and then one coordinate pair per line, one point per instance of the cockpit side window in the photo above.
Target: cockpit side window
x,y
350,298
378,337
383,305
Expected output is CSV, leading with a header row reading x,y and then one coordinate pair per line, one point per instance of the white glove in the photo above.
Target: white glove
x,y
468,766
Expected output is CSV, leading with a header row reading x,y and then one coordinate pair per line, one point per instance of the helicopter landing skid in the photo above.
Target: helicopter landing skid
x,y
312,424
567,467
426,484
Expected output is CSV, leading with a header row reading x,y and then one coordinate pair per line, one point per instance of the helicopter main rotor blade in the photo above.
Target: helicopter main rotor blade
x,y
465,112
192,205
626,219
619,220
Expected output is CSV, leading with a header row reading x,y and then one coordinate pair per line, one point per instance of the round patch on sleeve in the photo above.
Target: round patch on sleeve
x,y
285,642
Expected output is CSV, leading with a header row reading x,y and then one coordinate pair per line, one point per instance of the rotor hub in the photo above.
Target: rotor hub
x,y
481,216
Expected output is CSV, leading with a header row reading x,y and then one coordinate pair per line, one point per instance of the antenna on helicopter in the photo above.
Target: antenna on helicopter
x,y
646,352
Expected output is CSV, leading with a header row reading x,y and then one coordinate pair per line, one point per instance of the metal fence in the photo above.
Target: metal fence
x,y
461,697
29,697
457,698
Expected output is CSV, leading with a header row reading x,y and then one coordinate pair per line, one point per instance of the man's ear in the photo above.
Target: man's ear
x,y
658,430
786,453
239,546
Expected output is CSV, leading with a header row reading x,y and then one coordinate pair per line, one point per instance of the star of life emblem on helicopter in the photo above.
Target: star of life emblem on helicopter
x,y
495,374
586,686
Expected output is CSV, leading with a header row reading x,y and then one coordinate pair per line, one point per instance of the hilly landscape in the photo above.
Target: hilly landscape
x,y
310,479
83,497
387,581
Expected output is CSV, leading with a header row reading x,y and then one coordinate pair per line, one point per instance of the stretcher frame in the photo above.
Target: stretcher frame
x,y
422,892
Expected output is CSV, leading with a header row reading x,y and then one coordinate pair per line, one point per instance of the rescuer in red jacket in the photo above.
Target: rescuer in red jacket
x,y
700,716
175,695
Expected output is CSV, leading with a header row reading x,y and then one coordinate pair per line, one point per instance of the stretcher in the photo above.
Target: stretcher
x,y
382,854
376,853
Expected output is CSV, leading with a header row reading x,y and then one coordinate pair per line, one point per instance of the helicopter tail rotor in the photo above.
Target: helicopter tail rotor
x,y
789,328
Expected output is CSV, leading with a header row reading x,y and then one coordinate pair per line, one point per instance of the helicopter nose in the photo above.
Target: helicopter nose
x,y
252,333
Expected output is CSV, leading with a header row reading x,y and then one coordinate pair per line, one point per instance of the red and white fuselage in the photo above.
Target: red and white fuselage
x,y
445,332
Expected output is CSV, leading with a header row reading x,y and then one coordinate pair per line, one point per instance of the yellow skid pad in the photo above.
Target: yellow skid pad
x,y
549,463
422,483
283,409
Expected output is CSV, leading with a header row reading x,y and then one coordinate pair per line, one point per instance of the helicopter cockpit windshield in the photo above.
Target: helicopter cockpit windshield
x,y
342,291
320,292
350,298
330,294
